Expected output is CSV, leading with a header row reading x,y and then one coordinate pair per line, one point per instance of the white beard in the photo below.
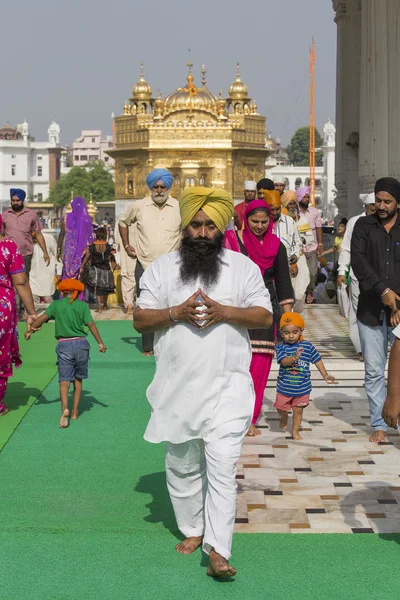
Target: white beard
x,y
160,199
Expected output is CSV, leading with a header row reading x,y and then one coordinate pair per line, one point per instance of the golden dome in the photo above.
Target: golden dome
x,y
238,89
191,98
142,90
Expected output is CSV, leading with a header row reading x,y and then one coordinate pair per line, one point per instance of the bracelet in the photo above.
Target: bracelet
x,y
385,292
125,247
171,316
320,244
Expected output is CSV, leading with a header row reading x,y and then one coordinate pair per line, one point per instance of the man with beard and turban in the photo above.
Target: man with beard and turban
x,y
250,193
368,201
263,185
375,260
158,231
314,249
19,223
201,301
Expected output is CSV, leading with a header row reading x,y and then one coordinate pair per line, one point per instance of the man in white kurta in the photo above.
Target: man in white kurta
x,y
344,265
202,394
41,276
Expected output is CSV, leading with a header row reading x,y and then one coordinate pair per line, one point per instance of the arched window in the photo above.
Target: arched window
x,y
298,183
192,182
187,182
307,182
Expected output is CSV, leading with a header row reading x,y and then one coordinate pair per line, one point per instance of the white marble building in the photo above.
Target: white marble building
x,y
325,192
27,164
368,92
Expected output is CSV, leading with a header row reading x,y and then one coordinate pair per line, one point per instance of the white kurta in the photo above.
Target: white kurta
x,y
202,387
41,278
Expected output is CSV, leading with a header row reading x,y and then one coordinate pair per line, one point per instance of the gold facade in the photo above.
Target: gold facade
x,y
201,138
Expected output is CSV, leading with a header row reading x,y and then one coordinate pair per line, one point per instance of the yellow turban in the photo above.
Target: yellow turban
x,y
288,197
216,203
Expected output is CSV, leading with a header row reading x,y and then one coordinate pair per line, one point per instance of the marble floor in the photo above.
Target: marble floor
x,y
334,480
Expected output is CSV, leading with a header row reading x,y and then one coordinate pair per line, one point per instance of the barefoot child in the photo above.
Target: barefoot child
x,y
71,316
294,356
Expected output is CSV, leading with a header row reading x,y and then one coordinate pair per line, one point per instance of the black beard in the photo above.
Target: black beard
x,y
200,259
17,208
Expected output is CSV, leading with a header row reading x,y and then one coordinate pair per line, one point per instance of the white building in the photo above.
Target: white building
x,y
367,97
91,147
295,177
27,164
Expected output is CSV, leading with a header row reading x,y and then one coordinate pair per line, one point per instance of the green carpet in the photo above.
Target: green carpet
x,y
36,372
86,513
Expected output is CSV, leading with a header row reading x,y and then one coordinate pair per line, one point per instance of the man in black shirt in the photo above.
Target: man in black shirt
x,y
375,259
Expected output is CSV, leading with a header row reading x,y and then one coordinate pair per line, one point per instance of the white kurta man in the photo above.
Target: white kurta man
x,y
200,301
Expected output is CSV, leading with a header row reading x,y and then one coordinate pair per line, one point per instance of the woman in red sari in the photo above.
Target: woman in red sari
x,y
12,275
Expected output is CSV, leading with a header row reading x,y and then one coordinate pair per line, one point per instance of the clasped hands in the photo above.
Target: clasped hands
x,y
212,312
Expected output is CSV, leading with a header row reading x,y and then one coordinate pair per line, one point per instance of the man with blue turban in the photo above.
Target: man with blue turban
x,y
200,301
158,230
19,223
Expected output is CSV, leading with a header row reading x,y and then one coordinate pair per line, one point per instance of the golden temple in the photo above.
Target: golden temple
x,y
201,138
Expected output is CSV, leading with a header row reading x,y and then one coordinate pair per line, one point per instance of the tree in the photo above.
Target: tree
x,y
299,149
94,179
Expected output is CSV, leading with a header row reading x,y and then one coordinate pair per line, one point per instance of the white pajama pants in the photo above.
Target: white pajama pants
x,y
201,480
354,334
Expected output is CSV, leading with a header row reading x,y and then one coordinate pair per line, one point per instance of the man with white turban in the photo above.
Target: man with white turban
x,y
200,301
280,183
250,193
368,201
158,230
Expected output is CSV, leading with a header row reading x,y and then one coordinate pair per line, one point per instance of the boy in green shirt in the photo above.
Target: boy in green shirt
x,y
70,316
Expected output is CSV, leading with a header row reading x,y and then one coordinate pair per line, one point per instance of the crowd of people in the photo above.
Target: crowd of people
x,y
219,291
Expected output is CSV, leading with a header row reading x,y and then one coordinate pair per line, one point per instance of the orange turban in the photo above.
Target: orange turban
x,y
292,318
272,197
288,197
71,285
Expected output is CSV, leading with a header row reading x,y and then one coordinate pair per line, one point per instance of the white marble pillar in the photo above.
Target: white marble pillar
x,y
376,91
348,20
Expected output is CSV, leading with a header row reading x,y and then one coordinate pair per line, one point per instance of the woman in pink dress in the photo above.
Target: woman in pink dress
x,y
12,275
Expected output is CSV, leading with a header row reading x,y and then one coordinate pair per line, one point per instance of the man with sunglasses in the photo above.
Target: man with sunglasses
x,y
158,230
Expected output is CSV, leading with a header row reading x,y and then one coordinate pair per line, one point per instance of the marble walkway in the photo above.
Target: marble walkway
x,y
334,480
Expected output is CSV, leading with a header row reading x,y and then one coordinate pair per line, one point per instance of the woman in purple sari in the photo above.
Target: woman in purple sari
x,y
77,230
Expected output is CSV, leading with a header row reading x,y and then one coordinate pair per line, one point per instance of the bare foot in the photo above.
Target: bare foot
x,y
378,437
360,357
129,310
74,416
64,421
189,545
296,435
151,353
105,307
283,422
253,431
219,567
4,411
99,310
309,299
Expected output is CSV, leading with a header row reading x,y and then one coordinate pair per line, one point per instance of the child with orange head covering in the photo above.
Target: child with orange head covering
x,y
294,356
72,320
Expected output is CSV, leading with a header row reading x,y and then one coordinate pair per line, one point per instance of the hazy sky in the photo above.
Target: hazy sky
x,y
78,60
